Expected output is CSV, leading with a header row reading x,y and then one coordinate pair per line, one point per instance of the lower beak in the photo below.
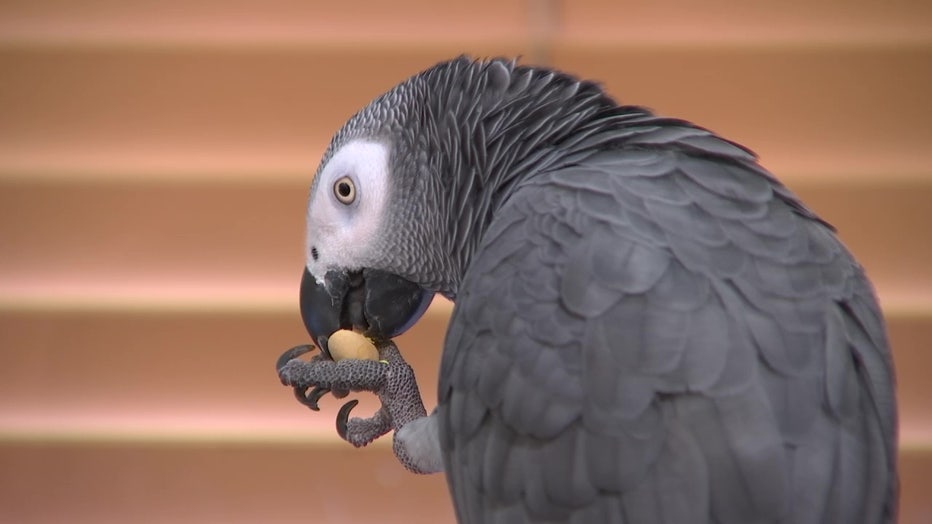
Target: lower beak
x,y
379,304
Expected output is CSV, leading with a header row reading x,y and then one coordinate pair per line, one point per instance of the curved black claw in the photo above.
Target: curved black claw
x,y
343,417
310,399
292,354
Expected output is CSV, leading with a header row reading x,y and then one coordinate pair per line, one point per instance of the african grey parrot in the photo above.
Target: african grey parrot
x,y
648,326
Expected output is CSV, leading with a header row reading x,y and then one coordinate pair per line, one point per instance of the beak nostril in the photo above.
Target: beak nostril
x,y
314,254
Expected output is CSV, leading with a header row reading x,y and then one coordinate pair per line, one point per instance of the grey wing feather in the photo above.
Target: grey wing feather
x,y
666,336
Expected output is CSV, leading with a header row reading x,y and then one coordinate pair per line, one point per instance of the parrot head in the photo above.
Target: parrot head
x,y
383,232
352,277
408,185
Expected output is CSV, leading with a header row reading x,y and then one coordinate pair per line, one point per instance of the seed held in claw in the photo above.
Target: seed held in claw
x,y
346,344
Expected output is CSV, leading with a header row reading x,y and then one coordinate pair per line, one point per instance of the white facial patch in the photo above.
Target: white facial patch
x,y
341,235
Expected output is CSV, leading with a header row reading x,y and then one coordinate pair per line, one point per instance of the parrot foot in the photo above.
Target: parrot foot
x,y
391,378
321,375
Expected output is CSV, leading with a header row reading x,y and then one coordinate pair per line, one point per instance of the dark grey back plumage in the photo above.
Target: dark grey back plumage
x,y
649,327
659,337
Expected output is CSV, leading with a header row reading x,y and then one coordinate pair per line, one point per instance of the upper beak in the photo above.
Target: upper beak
x,y
379,304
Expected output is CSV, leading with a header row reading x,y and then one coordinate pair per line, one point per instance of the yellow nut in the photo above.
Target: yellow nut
x,y
346,344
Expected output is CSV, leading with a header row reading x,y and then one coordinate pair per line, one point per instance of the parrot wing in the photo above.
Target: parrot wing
x,y
662,335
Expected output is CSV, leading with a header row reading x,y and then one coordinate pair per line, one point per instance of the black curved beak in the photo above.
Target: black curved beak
x,y
379,304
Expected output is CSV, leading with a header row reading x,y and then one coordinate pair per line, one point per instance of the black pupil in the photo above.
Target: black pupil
x,y
344,189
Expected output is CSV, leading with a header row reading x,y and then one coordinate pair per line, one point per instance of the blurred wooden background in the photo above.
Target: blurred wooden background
x,y
154,162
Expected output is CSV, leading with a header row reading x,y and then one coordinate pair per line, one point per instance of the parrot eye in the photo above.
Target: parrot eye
x,y
345,190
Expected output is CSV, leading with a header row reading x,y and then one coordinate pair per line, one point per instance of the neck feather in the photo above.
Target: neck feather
x,y
492,125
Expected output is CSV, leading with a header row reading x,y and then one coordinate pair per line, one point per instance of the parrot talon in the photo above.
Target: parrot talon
x,y
311,399
292,354
343,417
301,395
362,431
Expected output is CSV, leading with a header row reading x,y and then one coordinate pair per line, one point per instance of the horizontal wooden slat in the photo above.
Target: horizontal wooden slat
x,y
915,479
145,483
909,339
256,22
210,104
237,240
809,110
204,234
206,484
55,483
171,376
597,23
882,225
210,376
593,21
849,112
